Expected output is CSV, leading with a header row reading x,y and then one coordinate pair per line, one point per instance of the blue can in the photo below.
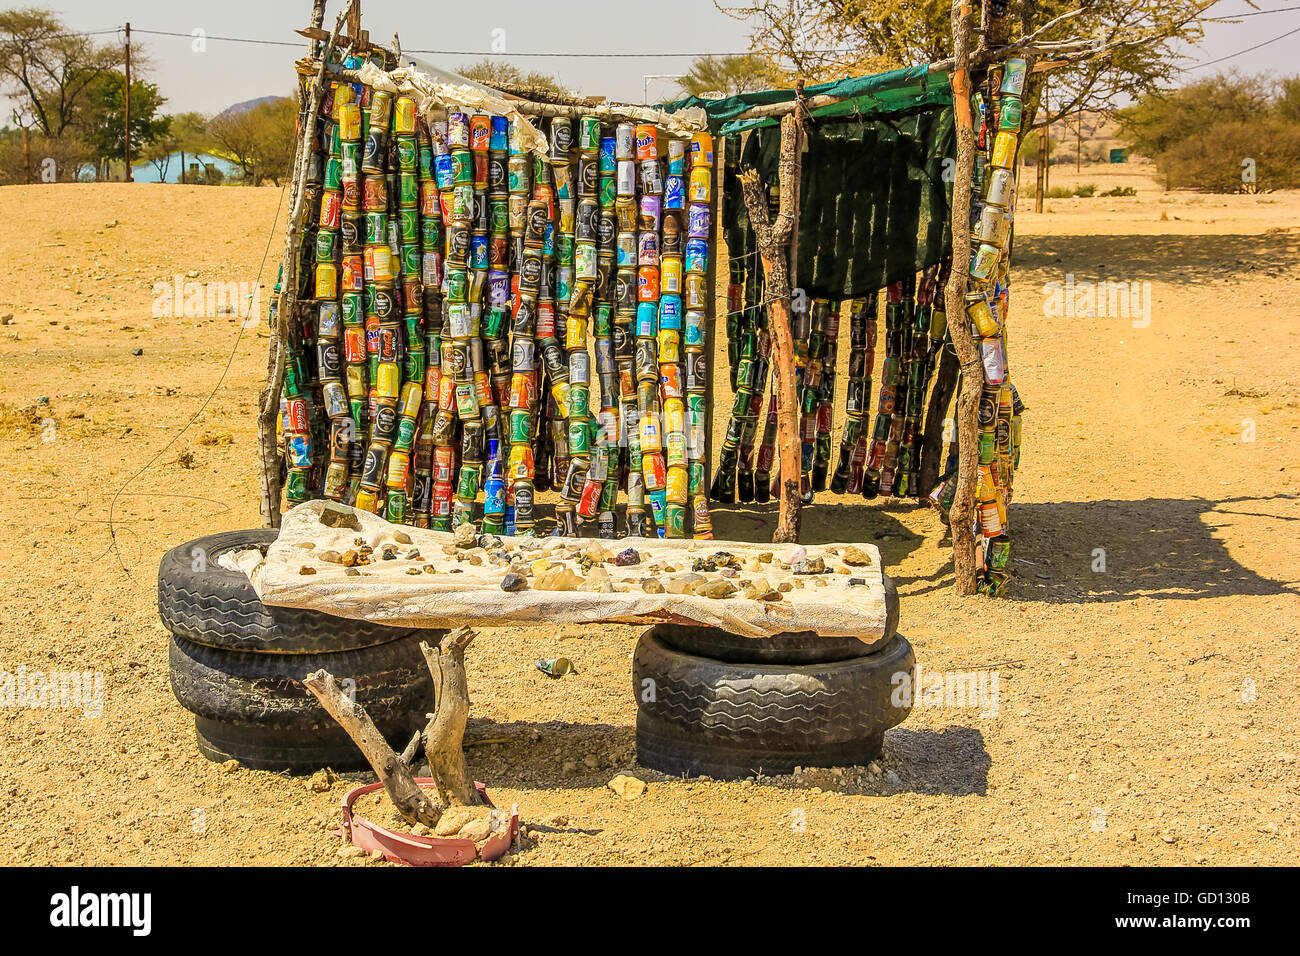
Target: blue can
x,y
478,252
697,255
494,496
500,136
670,312
608,158
647,320
674,192
444,172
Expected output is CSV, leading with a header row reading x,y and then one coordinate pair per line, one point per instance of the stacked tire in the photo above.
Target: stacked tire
x,y
238,665
714,704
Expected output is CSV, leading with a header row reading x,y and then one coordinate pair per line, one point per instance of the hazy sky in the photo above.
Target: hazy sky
x,y
231,72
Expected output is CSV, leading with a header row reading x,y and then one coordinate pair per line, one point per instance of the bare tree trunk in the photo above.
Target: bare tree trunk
x,y
962,514
269,406
411,800
445,733
773,249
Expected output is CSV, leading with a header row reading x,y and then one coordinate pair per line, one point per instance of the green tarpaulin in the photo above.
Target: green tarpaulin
x,y
874,200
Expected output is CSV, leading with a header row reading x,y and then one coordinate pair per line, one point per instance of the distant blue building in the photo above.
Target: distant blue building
x,y
196,163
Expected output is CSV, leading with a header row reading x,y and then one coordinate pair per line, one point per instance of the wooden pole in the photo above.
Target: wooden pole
x,y
962,514
773,249
127,111
27,157
711,282
268,451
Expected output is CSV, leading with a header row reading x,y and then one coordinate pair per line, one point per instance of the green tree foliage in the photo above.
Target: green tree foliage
x,y
102,121
48,71
260,140
1229,133
830,39
729,75
507,77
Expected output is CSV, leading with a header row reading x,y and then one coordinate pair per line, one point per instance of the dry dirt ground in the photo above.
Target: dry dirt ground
x,y
1146,712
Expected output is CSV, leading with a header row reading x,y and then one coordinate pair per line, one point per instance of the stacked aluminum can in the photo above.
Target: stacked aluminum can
x,y
449,282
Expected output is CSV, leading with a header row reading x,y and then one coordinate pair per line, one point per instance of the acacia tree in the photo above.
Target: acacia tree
x,y
829,39
49,70
729,75
260,140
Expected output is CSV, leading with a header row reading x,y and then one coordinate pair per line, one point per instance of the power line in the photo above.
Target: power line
x,y
1249,49
1228,17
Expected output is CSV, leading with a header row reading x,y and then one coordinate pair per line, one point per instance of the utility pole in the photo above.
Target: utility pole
x,y
128,103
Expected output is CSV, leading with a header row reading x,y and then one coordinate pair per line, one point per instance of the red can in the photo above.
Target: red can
x,y
590,498
545,319
442,494
297,411
647,284
331,209
353,274
354,345
388,344
654,471
670,380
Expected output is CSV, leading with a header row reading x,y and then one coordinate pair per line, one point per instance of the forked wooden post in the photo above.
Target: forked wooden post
x,y
774,242
962,515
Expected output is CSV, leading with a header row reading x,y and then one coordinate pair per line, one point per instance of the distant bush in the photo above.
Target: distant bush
x,y
1059,192
1121,191
1223,134
1086,191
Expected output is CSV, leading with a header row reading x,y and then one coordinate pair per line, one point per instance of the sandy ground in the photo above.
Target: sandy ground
x,y
1146,712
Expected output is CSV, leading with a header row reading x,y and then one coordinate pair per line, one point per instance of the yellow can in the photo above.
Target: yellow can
x,y
701,150
399,467
404,115
366,501
388,380
349,122
669,346
977,309
1004,150
670,275
676,486
648,427
327,280
701,184
411,396
674,416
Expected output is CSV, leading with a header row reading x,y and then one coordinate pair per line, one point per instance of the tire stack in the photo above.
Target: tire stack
x,y
719,705
238,666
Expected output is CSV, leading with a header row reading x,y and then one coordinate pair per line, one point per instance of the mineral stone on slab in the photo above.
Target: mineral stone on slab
x,y
856,556
627,558
797,553
465,536
558,578
598,580
513,582
337,516
716,589
652,586
678,586
808,566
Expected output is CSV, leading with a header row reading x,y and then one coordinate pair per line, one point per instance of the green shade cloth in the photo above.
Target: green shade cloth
x,y
874,199
904,90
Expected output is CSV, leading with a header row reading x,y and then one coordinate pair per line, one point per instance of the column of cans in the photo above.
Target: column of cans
x,y
553,429
431,249
383,319
626,346
525,322
823,349
1000,408
489,142
461,324
698,308
862,360
579,491
406,248
882,453
600,485
438,237
672,396
918,363
649,416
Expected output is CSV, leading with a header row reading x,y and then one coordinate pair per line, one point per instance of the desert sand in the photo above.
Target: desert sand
x,y
1146,712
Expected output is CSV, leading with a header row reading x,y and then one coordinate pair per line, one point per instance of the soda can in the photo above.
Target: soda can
x,y
993,227
701,185
669,346
653,472
984,260
652,181
699,221
1013,77
383,426
647,284
1000,186
697,256
646,142
701,150
1004,150
650,213
670,276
